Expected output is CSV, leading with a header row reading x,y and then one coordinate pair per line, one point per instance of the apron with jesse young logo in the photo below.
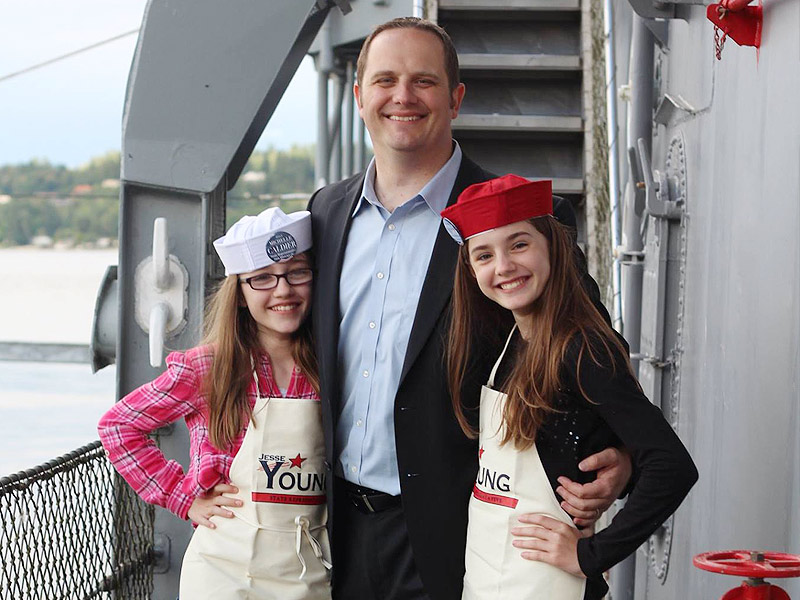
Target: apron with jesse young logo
x,y
276,547
510,483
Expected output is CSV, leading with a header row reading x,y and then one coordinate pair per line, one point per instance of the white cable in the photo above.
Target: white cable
x,y
68,55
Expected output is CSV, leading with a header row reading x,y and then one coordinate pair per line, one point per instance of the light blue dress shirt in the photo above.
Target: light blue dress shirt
x,y
384,267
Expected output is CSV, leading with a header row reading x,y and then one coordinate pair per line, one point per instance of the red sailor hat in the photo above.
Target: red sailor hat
x,y
491,204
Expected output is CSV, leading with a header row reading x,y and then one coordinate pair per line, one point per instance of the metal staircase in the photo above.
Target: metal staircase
x,y
535,102
521,63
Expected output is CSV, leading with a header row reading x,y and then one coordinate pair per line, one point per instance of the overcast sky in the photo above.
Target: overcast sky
x,y
71,111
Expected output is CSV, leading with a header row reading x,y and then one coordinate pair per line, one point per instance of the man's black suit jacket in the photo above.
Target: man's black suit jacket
x,y
436,461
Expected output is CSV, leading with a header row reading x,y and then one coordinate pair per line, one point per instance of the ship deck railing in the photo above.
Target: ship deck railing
x,y
71,528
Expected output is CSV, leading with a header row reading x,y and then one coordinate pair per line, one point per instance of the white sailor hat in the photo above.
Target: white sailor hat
x,y
257,242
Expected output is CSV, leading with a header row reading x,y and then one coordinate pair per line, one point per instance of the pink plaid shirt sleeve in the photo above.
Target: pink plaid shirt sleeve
x,y
124,433
175,395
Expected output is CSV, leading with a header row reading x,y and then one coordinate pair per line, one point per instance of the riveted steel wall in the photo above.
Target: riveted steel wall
x,y
731,305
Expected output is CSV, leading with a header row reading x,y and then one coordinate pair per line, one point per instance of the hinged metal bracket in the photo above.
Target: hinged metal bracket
x,y
668,107
658,363
660,30
628,257
648,9
658,199
652,9
344,5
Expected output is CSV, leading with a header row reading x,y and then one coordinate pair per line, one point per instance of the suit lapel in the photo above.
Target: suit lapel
x,y
329,258
438,285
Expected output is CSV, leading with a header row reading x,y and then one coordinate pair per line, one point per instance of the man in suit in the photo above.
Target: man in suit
x,y
401,469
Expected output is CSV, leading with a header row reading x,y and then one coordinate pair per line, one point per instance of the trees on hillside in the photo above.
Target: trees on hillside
x,y
82,204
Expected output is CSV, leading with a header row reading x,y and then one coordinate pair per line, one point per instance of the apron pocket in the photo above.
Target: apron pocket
x,y
215,562
276,570
485,540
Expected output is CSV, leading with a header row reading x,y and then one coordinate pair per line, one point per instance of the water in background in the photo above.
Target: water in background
x,y
48,409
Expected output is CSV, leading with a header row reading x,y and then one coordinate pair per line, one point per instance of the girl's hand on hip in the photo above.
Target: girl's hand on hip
x,y
548,540
211,503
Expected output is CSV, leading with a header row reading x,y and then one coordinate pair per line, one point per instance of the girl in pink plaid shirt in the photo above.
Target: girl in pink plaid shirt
x,y
257,349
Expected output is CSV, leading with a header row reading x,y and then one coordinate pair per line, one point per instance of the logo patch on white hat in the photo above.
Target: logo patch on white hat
x,y
256,242
281,246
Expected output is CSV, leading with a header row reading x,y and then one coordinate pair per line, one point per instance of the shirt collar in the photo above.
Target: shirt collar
x,y
435,193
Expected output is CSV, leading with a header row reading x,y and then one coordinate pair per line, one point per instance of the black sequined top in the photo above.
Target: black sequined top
x,y
619,415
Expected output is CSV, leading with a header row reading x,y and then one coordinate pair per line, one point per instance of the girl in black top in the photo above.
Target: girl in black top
x,y
568,386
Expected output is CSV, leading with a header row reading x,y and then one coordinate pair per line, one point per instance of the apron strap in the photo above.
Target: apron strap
x,y
302,528
490,383
255,378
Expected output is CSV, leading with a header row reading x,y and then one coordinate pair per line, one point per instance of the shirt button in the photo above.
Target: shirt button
x,y
391,227
365,373
379,275
353,468
372,324
359,423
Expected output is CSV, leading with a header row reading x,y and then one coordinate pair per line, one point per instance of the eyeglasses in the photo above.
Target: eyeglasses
x,y
268,281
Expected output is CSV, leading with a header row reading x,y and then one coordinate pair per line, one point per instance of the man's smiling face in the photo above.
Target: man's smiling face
x,y
404,96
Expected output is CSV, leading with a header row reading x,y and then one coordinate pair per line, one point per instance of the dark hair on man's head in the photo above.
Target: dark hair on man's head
x,y
450,55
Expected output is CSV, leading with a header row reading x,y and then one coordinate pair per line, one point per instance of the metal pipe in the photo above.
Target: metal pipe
x,y
613,161
361,146
418,9
321,161
640,122
640,125
347,138
335,131
324,65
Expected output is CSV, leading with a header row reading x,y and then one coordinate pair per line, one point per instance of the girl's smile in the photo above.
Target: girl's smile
x,y
514,284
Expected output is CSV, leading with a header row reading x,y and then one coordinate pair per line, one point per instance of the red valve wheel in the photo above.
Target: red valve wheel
x,y
742,563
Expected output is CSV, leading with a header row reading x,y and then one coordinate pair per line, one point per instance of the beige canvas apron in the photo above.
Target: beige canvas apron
x,y
276,547
509,483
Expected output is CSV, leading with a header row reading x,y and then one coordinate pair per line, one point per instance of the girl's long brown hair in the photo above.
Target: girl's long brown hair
x,y
562,315
233,334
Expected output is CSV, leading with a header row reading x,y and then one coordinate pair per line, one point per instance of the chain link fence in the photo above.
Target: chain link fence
x,y
73,529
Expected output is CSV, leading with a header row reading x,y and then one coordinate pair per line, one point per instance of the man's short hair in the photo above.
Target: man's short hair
x,y
450,55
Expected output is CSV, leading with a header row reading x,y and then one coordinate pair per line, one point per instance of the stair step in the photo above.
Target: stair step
x,y
522,64
562,186
514,62
508,5
521,37
521,96
536,156
517,123
565,186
